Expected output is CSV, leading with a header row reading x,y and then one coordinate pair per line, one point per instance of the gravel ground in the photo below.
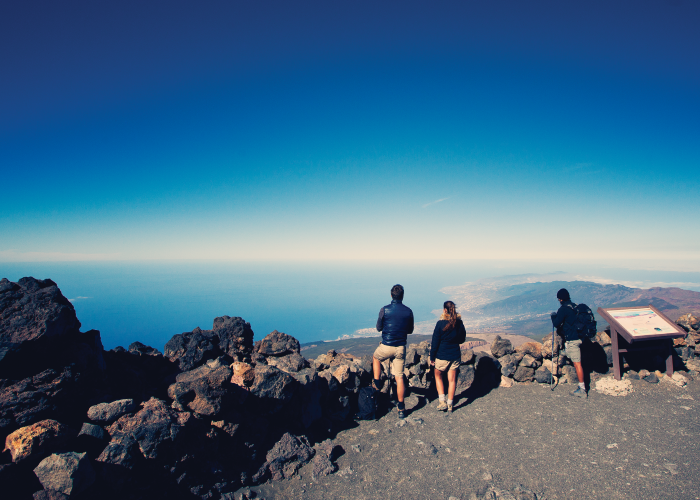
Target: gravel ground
x,y
642,446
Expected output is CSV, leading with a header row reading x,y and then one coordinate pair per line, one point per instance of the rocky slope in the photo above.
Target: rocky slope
x,y
214,413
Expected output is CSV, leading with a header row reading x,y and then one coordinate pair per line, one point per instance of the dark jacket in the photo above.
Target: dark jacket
x,y
445,344
564,321
395,322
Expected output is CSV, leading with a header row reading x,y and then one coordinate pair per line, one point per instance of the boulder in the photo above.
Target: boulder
x,y
467,356
109,412
528,362
506,382
290,363
543,376
324,459
205,390
285,458
68,473
143,350
309,393
36,440
688,321
602,338
547,346
34,317
534,349
277,344
342,374
608,354
92,431
508,370
243,374
49,495
524,374
569,374
154,428
231,337
465,378
412,356
500,347
272,386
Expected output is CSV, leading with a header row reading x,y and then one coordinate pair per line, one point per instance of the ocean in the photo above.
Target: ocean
x,y
152,301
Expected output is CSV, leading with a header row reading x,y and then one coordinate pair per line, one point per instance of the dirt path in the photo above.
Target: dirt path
x,y
641,446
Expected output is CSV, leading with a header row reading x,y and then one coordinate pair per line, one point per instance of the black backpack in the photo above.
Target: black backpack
x,y
366,403
585,323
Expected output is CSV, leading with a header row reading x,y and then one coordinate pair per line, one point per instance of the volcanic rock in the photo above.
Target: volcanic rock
x,y
155,428
277,344
467,356
143,350
109,412
272,386
36,440
508,369
528,361
569,374
465,378
230,336
243,374
290,363
602,338
547,346
500,347
204,390
50,495
285,458
34,316
324,459
543,376
69,473
506,382
524,374
534,349
309,394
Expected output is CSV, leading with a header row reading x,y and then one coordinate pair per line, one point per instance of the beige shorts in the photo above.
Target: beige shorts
x,y
444,365
396,354
573,350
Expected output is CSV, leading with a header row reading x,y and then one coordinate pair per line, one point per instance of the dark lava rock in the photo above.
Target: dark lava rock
x,y
109,412
285,458
206,389
608,354
528,361
412,356
465,378
68,473
652,378
273,386
543,376
34,316
277,344
231,337
324,459
524,374
467,356
508,370
500,347
92,431
156,427
143,350
631,375
50,495
309,394
290,363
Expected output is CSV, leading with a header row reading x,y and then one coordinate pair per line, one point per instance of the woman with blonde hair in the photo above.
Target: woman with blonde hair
x,y
445,355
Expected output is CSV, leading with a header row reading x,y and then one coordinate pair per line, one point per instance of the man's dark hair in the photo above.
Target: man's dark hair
x,y
563,294
397,292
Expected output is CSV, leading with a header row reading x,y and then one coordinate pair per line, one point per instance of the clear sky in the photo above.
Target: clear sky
x,y
337,129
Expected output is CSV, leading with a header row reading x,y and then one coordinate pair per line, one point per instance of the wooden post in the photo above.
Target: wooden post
x,y
615,353
669,359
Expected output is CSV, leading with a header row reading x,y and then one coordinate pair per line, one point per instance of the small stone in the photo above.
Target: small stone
x,y
652,378
356,448
487,476
506,382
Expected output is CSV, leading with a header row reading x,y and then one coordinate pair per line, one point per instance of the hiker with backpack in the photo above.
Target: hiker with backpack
x,y
574,323
445,355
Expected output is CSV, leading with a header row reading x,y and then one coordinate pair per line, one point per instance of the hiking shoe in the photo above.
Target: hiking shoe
x,y
442,406
581,393
402,413
449,408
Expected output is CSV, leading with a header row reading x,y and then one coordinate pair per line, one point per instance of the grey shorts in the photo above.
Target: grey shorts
x,y
573,350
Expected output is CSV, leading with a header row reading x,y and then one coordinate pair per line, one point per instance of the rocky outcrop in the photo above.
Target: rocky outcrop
x,y
501,347
68,473
285,458
35,440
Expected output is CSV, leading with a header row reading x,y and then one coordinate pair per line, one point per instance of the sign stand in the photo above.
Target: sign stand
x,y
640,328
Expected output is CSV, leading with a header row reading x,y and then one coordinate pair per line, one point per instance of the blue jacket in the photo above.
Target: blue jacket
x,y
445,344
395,322
564,321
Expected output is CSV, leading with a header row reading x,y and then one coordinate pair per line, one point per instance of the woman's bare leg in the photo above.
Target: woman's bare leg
x,y
452,378
439,383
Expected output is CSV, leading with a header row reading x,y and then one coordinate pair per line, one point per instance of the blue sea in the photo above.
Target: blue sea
x,y
152,301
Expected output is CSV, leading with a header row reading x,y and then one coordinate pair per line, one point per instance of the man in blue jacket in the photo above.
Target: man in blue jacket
x,y
395,322
564,320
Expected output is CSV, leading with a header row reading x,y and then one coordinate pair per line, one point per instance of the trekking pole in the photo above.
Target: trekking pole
x,y
551,381
556,365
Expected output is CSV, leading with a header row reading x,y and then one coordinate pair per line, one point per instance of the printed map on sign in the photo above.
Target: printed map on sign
x,y
642,321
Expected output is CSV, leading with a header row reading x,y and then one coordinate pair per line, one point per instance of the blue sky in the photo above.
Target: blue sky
x,y
339,130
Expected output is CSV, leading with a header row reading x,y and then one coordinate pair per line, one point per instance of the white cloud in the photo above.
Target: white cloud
x,y
78,298
434,202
